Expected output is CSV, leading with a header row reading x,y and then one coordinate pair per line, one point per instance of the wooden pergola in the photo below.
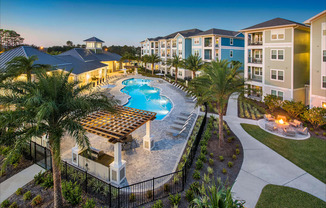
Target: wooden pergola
x,y
116,126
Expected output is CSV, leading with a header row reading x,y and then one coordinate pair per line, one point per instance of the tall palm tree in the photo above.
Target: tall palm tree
x,y
53,106
24,65
177,63
194,63
127,56
144,59
153,59
216,84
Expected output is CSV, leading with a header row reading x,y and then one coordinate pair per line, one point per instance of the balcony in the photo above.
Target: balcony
x,y
208,44
255,60
163,46
174,45
168,46
255,78
216,45
255,38
255,42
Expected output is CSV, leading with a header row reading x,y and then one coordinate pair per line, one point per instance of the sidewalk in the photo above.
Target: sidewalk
x,y
262,165
9,186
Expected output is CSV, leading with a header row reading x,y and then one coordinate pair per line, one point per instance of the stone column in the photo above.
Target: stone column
x,y
118,167
148,142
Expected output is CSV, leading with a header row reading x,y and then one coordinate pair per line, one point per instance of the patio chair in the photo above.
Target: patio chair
x,y
303,131
177,133
269,117
289,132
270,126
296,123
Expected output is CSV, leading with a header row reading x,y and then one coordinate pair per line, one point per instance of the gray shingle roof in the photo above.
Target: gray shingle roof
x,y
215,31
27,51
184,33
94,39
89,55
273,23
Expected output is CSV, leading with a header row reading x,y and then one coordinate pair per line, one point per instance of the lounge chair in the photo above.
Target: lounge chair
x,y
177,133
303,131
289,132
185,117
270,126
269,117
296,123
180,127
187,114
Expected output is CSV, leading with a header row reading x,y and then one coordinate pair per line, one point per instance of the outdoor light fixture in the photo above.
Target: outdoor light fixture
x,y
324,105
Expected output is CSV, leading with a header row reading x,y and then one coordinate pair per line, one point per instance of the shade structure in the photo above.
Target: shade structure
x,y
116,126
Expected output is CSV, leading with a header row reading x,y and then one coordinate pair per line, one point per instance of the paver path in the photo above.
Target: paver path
x,y
262,165
9,186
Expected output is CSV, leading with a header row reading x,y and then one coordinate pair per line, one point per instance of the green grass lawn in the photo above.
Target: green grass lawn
x,y
281,196
309,154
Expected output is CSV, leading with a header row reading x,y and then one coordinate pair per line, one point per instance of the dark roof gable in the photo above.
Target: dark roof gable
x,y
273,23
215,31
94,39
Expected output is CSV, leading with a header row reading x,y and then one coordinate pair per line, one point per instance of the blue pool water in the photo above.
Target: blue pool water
x,y
145,97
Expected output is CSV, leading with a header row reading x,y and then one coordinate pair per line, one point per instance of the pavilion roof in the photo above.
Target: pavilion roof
x,y
116,126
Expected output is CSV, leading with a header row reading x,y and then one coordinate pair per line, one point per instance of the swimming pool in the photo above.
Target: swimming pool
x,y
145,97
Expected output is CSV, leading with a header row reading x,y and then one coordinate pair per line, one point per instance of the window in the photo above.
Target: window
x,y
324,82
231,41
258,71
180,41
196,41
216,53
180,73
277,34
324,55
174,52
277,93
196,52
174,43
277,74
180,52
231,54
277,54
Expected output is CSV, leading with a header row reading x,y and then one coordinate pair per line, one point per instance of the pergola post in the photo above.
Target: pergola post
x,y
148,142
118,167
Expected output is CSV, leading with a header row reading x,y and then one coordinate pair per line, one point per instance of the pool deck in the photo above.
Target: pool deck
x,y
142,164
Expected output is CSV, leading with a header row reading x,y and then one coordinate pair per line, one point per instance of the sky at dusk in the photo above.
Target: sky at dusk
x,y
53,22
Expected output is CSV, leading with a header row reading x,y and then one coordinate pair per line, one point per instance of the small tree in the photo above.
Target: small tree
x,y
273,102
316,116
177,63
293,108
153,59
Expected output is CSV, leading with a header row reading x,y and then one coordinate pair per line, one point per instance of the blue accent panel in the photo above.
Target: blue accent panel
x,y
187,48
238,55
199,51
236,42
241,35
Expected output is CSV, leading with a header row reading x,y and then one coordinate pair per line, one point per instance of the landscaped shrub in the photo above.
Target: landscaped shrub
x,y
207,179
273,102
202,157
230,164
237,151
189,195
324,134
19,191
158,204
316,133
36,201
175,199
293,108
211,154
132,197
234,157
215,132
71,192
149,194
90,203
199,165
48,181
230,139
211,162
228,132
224,171
13,205
196,175
210,171
166,187
316,116
237,145
39,178
194,186
203,150
5,203
221,158
27,195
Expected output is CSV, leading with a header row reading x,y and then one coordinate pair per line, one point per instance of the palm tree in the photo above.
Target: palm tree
x,y
24,65
175,62
216,84
153,59
144,59
128,56
194,63
51,106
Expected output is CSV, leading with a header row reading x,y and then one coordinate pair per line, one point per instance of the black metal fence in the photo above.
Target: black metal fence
x,y
127,196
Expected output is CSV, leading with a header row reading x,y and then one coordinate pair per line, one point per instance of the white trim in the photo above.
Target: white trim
x,y
231,52
323,88
277,70
277,50
292,64
231,47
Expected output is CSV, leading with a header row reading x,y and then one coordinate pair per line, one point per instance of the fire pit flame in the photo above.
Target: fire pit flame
x,y
281,121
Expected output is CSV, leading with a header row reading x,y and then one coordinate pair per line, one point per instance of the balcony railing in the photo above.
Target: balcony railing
x,y
216,45
163,46
255,42
252,77
168,46
174,45
208,44
255,60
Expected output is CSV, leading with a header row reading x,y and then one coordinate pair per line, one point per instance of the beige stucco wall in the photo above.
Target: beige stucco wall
x,y
299,95
316,58
287,36
301,59
278,64
94,168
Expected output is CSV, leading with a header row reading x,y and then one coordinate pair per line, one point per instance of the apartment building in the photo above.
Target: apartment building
x,y
317,60
219,44
277,59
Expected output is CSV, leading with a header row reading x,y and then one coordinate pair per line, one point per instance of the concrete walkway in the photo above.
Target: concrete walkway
x,y
262,165
9,186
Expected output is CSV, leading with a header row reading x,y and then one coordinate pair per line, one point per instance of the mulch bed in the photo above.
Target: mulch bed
x,y
11,170
226,151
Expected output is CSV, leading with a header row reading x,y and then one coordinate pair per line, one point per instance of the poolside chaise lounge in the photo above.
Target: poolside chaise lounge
x,y
303,131
269,117
177,133
289,132
180,117
270,126
296,123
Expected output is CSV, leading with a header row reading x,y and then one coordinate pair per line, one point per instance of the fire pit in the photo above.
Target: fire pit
x,y
281,122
